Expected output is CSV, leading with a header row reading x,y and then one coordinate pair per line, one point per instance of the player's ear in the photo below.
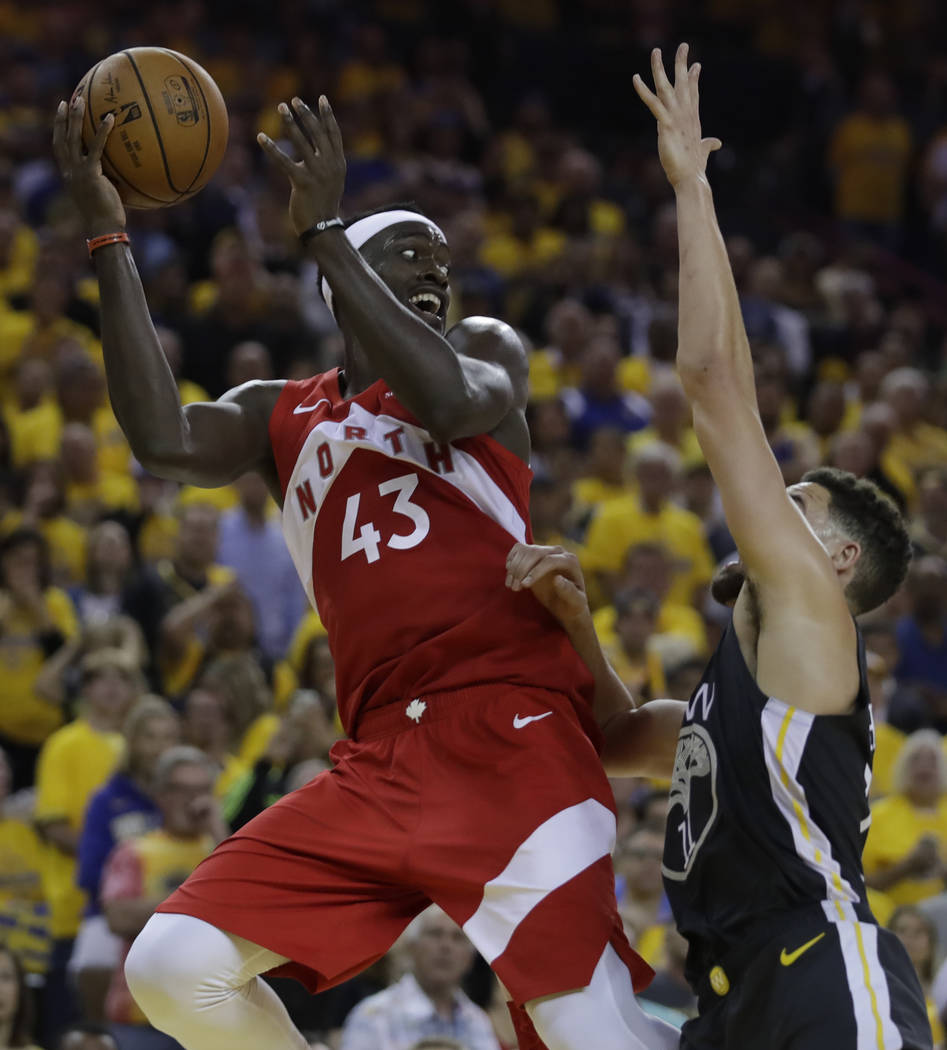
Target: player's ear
x,y
846,556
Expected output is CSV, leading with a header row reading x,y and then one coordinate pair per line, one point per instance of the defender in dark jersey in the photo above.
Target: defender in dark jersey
x,y
769,797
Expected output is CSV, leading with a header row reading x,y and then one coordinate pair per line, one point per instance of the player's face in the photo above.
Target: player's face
x,y
414,262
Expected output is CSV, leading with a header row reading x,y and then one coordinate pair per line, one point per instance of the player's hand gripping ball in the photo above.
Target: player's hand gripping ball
x,y
170,124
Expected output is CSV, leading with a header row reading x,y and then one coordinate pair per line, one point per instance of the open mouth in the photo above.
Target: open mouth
x,y
431,305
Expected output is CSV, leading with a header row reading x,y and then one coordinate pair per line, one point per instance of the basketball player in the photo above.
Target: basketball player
x,y
769,796
471,777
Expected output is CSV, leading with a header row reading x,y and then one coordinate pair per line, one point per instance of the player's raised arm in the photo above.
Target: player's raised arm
x,y
453,394
793,576
203,444
637,741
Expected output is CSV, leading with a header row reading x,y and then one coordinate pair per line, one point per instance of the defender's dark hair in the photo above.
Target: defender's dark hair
x,y
868,516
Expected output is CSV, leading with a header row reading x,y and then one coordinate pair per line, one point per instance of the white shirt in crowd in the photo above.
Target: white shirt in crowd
x,y
401,1015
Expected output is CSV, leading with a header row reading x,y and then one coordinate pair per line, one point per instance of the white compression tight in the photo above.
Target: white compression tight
x,y
605,1014
202,987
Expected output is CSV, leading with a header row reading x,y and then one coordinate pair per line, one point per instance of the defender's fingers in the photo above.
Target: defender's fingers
x,y
661,83
651,100
279,158
681,78
524,562
569,593
711,144
560,565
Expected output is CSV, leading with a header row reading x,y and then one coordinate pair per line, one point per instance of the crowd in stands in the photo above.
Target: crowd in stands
x,y
161,679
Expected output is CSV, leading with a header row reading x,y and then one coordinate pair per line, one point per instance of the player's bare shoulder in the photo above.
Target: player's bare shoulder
x,y
495,342
489,339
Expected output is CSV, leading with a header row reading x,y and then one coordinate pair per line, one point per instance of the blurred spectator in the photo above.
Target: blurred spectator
x,y
87,1035
569,329
636,663
35,621
24,915
428,1000
640,889
90,492
239,681
700,497
16,1004
869,154
122,809
251,543
919,936
916,443
922,637
888,739
604,476
651,516
670,420
74,762
598,401
108,572
907,842
144,870
669,987
188,577
929,524
297,752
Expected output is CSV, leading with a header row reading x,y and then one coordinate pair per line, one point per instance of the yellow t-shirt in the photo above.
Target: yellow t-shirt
x,y
640,677
621,524
110,492
37,435
257,738
688,448
888,744
870,159
73,764
549,373
592,492
25,717
510,256
191,392
896,828
925,446
223,498
232,771
24,915
310,626
18,328
17,275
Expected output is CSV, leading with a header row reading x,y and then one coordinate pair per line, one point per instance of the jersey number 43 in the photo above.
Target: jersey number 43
x,y
367,539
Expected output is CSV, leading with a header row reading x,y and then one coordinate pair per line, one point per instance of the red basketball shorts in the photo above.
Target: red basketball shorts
x,y
490,802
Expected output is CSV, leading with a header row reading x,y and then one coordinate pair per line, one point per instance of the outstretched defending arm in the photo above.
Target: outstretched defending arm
x,y
203,444
639,742
453,394
803,607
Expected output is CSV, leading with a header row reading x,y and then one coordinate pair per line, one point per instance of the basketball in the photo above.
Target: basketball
x,y
170,129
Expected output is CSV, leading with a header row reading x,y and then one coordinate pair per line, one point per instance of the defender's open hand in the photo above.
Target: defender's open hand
x,y
676,108
318,176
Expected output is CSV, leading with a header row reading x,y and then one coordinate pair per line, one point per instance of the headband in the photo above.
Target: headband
x,y
359,233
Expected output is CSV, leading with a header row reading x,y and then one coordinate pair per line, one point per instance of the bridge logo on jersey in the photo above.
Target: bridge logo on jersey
x,y
693,799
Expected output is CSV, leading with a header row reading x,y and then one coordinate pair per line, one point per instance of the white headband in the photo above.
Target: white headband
x,y
359,233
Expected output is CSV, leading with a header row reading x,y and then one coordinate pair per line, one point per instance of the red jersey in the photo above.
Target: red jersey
x,y
401,545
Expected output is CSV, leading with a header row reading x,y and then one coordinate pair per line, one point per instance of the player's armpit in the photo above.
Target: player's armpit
x,y
642,743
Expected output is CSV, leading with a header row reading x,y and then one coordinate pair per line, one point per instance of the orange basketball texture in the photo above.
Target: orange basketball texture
x,y
171,124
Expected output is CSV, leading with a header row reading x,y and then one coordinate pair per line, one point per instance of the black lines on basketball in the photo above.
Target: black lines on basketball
x,y
195,80
154,124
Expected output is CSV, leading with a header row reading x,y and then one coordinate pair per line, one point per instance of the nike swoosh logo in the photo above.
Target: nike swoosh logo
x,y
299,409
518,722
788,958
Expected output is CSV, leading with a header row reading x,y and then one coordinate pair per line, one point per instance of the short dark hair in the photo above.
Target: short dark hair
x,y
868,516
26,537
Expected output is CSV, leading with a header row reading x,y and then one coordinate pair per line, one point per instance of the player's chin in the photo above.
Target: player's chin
x,y
727,583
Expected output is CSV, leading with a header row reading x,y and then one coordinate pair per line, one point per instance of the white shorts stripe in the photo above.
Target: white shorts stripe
x,y
558,850
867,982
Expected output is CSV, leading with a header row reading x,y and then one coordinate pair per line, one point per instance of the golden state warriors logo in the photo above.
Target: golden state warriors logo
x,y
693,800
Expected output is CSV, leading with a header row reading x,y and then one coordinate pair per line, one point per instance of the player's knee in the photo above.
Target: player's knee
x,y
155,967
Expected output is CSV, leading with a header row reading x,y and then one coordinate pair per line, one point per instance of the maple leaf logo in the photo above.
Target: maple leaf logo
x,y
415,709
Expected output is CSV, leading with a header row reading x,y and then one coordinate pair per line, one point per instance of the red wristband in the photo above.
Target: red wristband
x,y
107,238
